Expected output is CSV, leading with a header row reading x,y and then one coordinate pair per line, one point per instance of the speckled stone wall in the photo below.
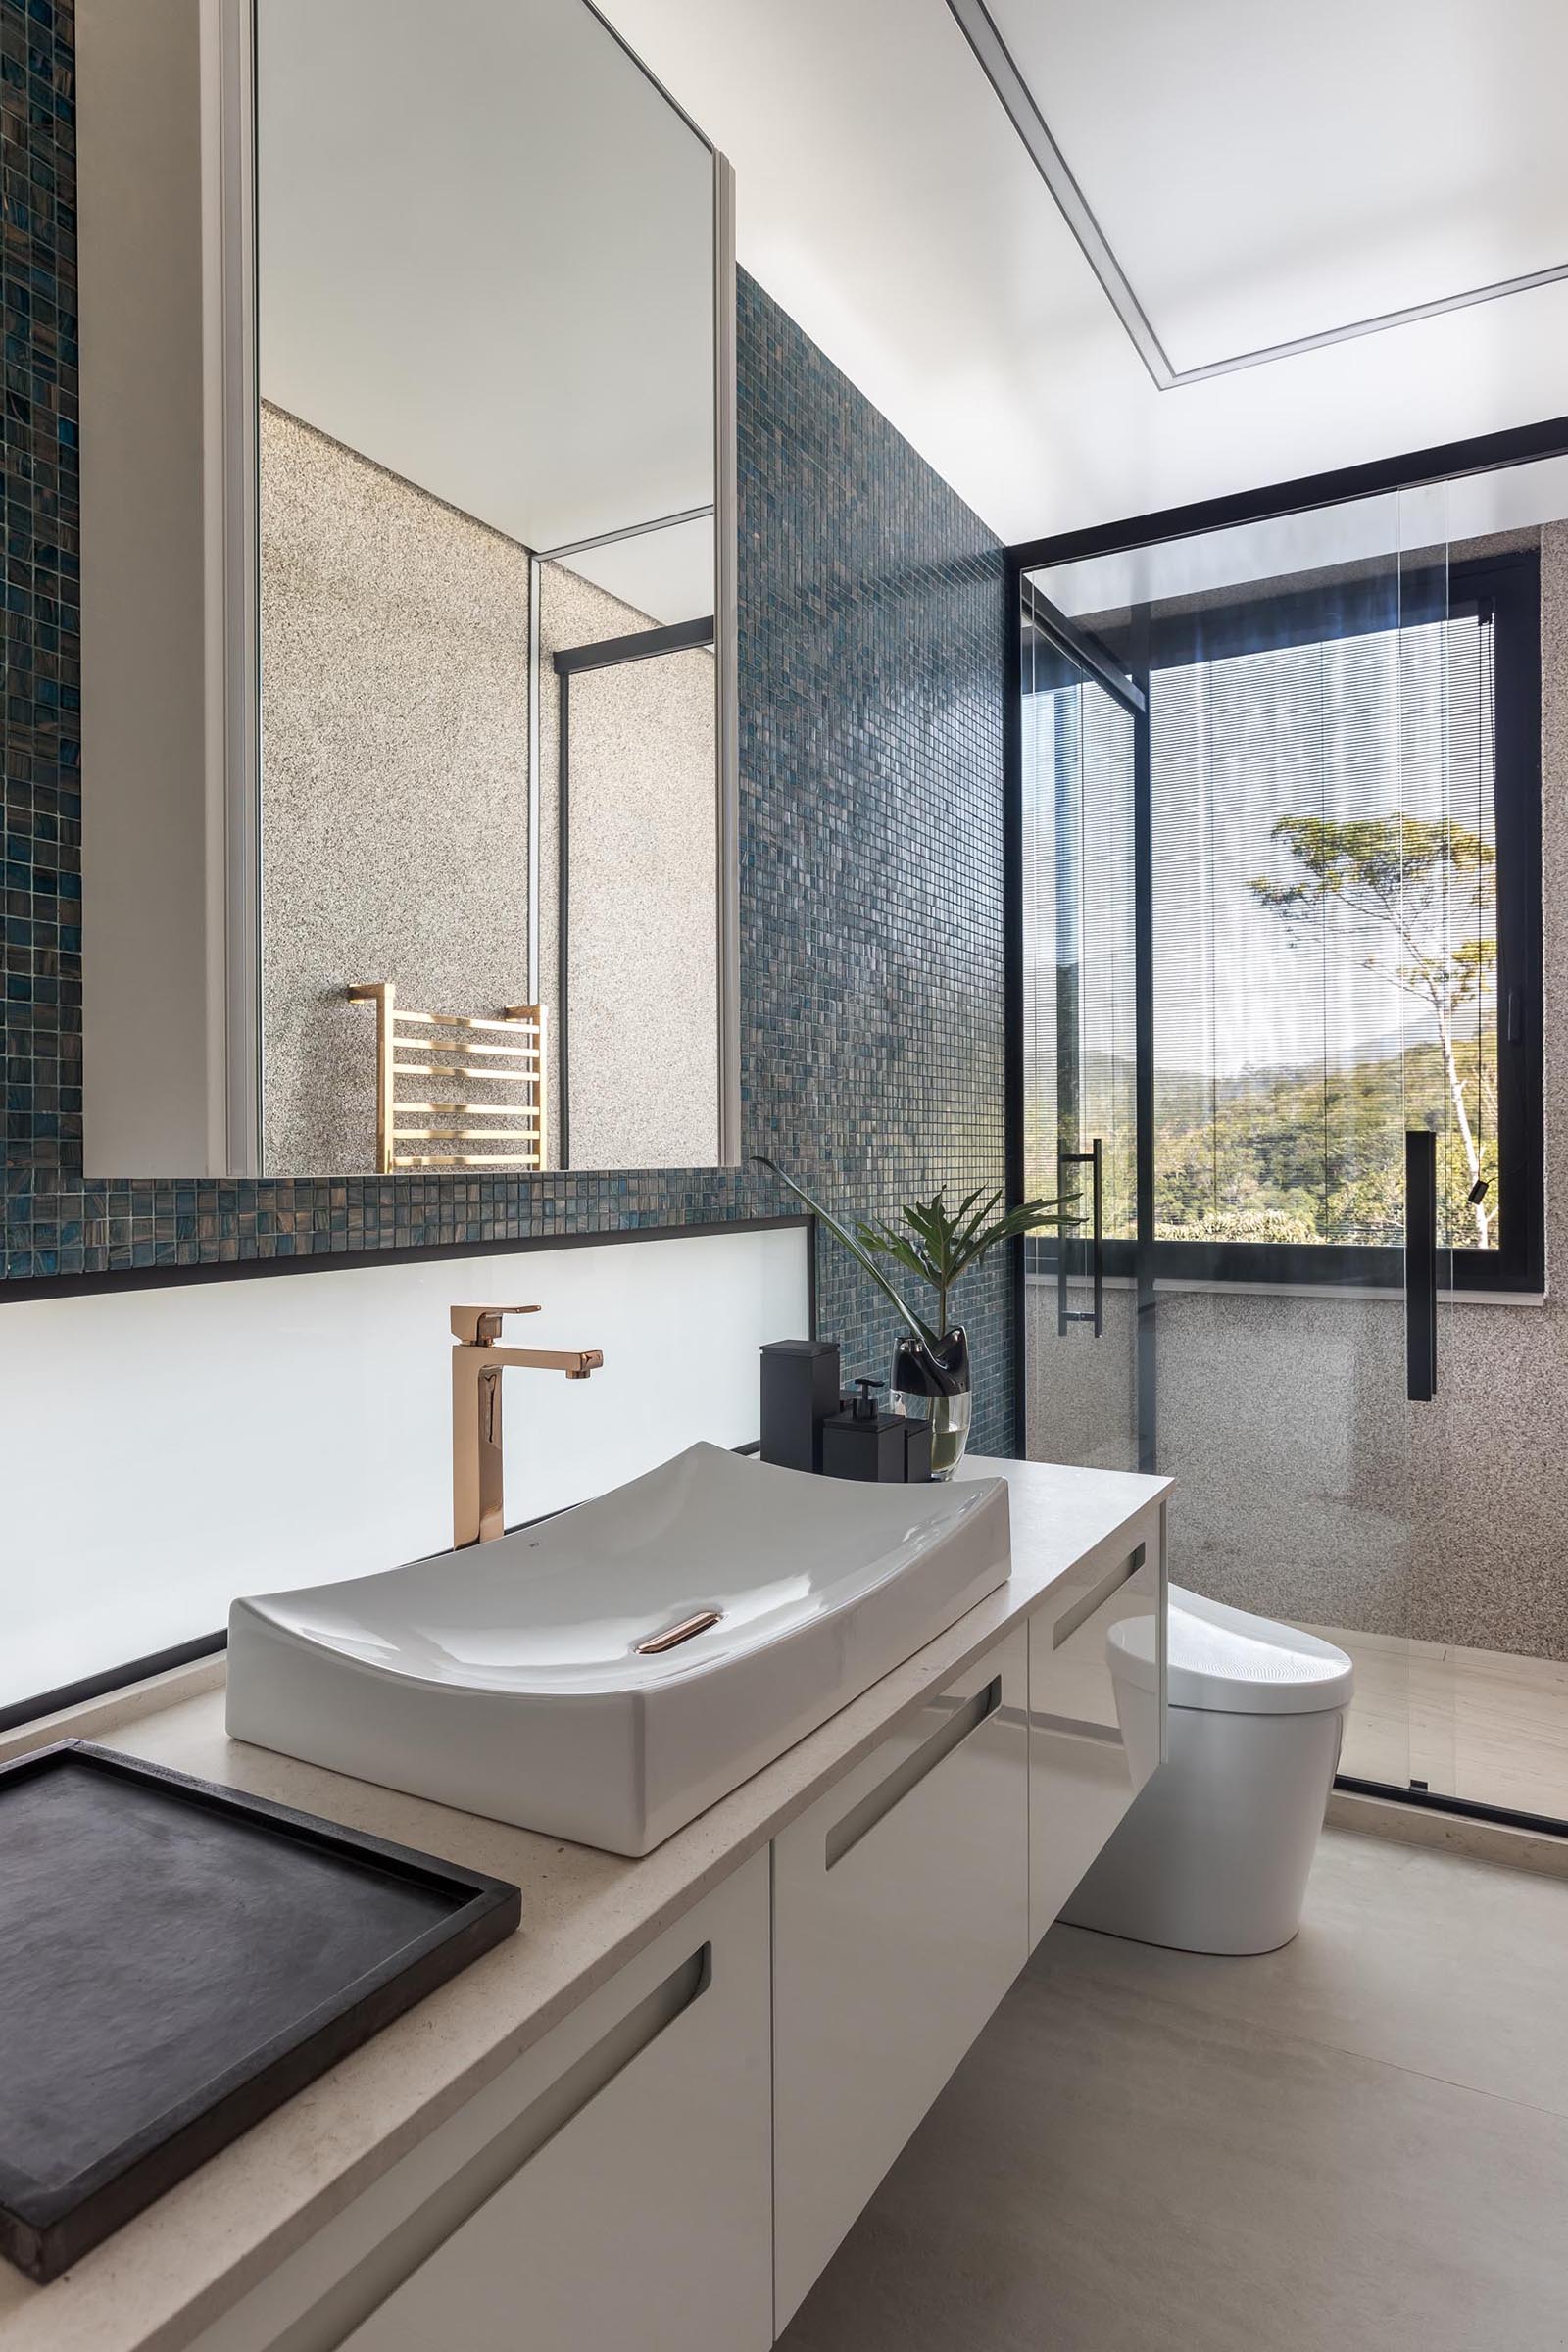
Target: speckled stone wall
x,y
871,646
642,919
393,778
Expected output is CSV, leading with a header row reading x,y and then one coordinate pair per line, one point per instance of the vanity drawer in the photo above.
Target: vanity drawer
x,y
638,2212
612,2187
1092,1741
900,1920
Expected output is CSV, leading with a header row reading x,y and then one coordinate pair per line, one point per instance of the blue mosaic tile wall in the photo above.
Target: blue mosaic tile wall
x,y
872,660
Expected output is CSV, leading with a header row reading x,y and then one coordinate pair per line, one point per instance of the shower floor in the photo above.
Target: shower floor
x,y
1470,1723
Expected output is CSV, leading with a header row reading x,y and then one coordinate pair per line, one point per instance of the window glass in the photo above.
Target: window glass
x,y
1324,933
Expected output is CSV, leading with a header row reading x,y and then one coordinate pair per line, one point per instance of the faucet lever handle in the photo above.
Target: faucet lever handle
x,y
480,1326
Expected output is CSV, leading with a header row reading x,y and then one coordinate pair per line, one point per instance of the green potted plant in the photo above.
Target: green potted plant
x,y
931,1362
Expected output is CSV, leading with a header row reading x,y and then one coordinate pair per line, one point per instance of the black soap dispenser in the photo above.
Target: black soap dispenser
x,y
865,1442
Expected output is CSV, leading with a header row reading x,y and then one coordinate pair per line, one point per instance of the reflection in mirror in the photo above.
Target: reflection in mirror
x,y
485,457
628,832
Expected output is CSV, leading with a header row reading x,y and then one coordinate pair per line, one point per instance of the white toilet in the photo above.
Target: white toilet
x,y
1215,1854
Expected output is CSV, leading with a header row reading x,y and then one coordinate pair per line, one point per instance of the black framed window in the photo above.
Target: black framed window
x,y
1343,921
1345,796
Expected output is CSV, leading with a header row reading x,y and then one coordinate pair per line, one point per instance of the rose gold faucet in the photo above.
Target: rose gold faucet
x,y
477,1362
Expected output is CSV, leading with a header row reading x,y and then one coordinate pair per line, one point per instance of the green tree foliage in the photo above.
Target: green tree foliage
x,y
1410,900
1311,1156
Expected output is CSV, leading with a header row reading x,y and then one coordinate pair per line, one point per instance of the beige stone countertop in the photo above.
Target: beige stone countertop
x,y
171,2273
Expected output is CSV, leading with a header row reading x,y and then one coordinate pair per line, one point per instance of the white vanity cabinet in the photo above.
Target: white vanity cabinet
x,y
671,2165
900,1920
612,2187
1092,1741
638,2213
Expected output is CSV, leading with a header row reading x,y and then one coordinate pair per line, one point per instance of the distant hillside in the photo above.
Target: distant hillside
x,y
1294,1155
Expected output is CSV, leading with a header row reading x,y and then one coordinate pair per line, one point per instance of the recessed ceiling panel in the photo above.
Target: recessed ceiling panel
x,y
1268,174
887,202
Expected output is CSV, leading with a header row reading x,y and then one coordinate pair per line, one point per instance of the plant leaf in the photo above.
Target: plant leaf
x,y
941,1244
850,1241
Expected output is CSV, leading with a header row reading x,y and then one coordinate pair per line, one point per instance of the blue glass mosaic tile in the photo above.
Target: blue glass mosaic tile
x,y
872,808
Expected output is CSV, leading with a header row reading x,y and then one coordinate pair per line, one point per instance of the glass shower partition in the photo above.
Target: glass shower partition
x,y
1080,977
1239,955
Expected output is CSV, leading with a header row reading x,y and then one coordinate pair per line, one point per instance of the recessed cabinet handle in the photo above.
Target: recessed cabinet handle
x,y
1084,1608
627,2038
968,1716
372,2283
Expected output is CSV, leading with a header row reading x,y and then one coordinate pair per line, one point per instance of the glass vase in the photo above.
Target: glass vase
x,y
933,1384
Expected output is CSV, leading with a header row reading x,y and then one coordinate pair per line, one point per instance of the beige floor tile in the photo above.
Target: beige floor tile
x,y
1469,1723
1441,1831
1129,2163
1428,1961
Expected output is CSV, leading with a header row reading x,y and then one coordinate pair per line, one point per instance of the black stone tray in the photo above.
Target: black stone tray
x,y
175,1961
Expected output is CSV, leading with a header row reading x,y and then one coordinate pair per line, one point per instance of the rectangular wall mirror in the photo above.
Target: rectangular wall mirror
x,y
468,771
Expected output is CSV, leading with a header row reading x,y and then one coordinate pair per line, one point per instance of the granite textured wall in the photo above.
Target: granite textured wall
x,y
642,979
871,714
393,778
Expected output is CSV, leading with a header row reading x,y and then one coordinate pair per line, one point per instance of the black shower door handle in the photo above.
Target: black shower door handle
x,y
1420,1264
1092,1159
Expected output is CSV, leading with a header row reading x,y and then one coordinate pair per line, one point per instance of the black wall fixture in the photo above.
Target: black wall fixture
x,y
1421,1264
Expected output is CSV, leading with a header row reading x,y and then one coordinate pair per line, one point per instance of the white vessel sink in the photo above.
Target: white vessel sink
x,y
508,1679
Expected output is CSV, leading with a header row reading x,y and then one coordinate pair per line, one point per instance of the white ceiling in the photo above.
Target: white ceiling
x,y
1263,176
486,262
1263,171
668,574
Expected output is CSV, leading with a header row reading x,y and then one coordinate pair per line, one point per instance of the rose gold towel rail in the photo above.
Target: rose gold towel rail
x,y
442,1046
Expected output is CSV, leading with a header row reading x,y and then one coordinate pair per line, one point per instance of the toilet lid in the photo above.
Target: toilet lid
x,y
1232,1663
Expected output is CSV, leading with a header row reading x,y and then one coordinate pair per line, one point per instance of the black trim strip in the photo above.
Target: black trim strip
x,y
608,652
1374,1270
1082,647
1447,461
1014,1172
113,1679
336,1261
1461,1808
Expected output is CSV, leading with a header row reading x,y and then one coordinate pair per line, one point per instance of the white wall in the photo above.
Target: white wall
x,y
167,1450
